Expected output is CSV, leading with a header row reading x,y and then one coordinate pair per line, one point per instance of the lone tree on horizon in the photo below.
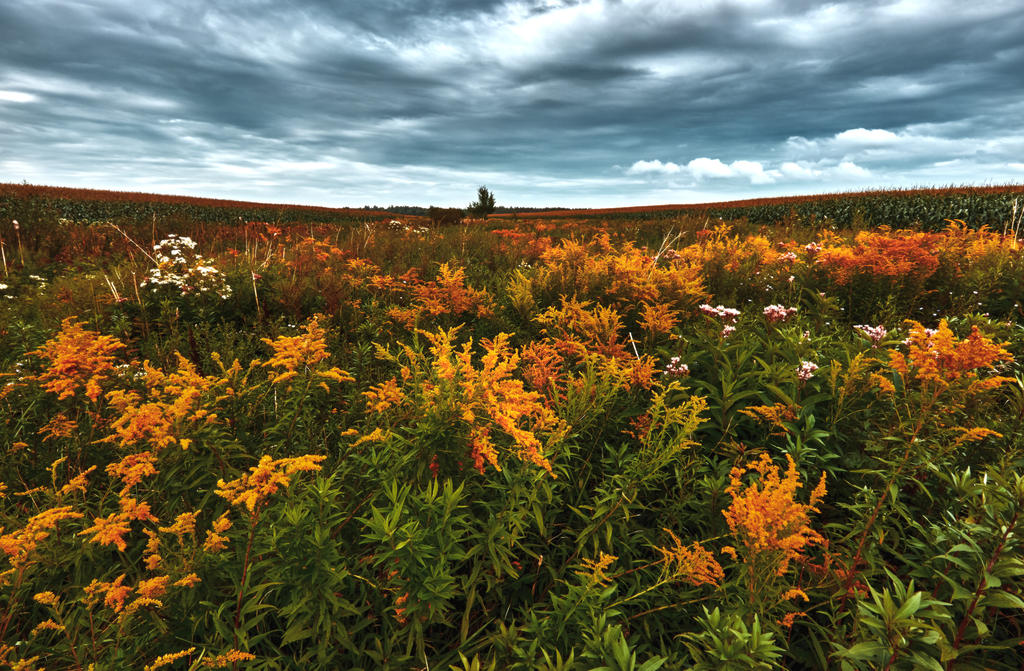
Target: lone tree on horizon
x,y
484,204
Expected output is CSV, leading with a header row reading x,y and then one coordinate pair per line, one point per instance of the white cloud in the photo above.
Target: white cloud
x,y
754,171
794,170
923,144
704,168
655,166
17,97
865,136
851,169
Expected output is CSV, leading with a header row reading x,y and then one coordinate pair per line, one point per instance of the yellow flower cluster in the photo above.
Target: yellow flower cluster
x,y
172,402
693,564
938,356
765,517
77,358
491,392
626,278
169,658
228,658
295,354
594,569
447,295
264,479
19,545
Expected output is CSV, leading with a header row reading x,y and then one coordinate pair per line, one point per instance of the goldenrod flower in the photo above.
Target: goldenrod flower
x,y
169,658
109,530
937,356
46,625
264,479
115,593
228,658
142,602
383,396
132,469
190,580
154,587
215,542
185,523
694,564
134,510
19,545
593,569
77,358
46,598
60,426
301,351
77,483
765,518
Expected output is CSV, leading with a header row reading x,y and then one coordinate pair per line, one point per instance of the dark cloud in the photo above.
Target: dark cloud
x,y
573,101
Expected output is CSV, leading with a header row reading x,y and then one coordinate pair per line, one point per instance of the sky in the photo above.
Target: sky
x,y
573,103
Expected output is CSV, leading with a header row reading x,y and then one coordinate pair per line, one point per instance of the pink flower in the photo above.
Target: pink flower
x,y
676,369
805,371
873,333
778,313
721,312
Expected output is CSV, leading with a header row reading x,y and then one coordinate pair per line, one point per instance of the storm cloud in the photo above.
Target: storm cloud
x,y
584,103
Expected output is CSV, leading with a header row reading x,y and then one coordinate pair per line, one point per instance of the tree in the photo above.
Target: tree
x,y
484,204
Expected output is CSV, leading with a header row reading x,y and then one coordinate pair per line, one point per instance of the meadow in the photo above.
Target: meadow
x,y
747,436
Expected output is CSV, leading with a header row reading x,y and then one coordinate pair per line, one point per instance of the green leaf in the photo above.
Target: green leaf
x,y
909,607
1001,599
867,650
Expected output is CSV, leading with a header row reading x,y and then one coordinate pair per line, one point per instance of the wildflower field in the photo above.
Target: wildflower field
x,y
347,440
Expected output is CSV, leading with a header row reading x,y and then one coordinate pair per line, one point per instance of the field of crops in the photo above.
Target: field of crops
x,y
240,436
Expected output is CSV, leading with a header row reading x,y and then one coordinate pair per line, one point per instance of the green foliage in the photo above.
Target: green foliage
x,y
559,341
726,642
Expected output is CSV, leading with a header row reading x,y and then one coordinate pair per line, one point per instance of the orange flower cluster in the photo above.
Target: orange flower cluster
x,y
228,658
60,426
447,295
902,255
264,479
109,530
116,593
693,564
294,354
626,278
593,569
77,358
774,415
383,396
19,545
169,658
215,541
717,251
937,356
765,517
172,401
301,351
492,392
577,330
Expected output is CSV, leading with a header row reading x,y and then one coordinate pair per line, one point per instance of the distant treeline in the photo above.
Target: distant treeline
x,y
425,211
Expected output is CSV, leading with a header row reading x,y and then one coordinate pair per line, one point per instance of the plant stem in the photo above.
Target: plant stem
x,y
253,520
962,629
